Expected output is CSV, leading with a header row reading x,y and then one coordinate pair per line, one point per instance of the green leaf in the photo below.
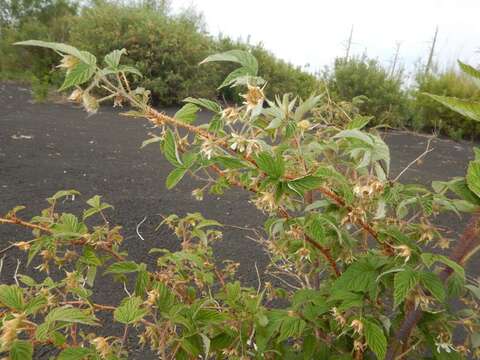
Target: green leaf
x,y
35,304
122,267
473,177
475,290
80,74
142,281
274,167
129,69
459,187
74,354
129,311
187,114
21,350
432,283
61,194
230,162
306,183
404,281
470,70
235,75
113,59
70,315
360,276
205,103
306,106
466,108
242,57
170,149
175,176
359,122
68,226
355,134
291,327
429,259
84,56
12,296
375,338
96,206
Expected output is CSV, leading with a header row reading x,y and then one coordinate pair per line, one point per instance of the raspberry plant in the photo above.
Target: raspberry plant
x,y
352,249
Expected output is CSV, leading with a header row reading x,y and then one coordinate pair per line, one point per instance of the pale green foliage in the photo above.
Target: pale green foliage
x,y
346,241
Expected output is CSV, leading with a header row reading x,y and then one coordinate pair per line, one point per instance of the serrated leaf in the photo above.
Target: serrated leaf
x,y
80,74
61,194
242,57
130,69
205,103
21,350
473,177
70,315
375,338
404,281
234,76
77,353
429,259
129,311
471,71
11,296
459,187
230,162
187,114
359,122
305,107
84,56
175,176
306,183
432,283
122,267
273,166
291,327
355,134
170,149
467,108
113,58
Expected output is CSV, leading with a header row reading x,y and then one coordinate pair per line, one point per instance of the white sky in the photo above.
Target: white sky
x,y
315,32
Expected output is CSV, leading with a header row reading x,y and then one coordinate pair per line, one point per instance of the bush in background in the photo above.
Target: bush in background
x,y
383,94
165,47
429,116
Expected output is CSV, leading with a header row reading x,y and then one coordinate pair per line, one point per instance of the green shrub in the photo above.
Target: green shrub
x,y
351,245
166,48
429,115
382,95
25,19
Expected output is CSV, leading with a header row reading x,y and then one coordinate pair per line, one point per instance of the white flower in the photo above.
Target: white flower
x,y
68,62
447,347
254,97
207,149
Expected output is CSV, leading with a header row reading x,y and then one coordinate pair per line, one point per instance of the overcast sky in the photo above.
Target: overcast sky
x,y
315,31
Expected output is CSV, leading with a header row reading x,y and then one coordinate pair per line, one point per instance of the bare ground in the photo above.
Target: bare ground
x,y
49,147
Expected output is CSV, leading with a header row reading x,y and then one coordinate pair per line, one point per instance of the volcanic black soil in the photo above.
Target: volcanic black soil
x,y
49,147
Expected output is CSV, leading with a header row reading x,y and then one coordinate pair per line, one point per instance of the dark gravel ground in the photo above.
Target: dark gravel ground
x,y
65,149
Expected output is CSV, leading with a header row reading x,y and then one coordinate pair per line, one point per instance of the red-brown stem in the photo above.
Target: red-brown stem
x,y
82,241
467,243
326,253
161,119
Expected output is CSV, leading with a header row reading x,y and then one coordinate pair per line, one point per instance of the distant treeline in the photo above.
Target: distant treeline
x,y
167,48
